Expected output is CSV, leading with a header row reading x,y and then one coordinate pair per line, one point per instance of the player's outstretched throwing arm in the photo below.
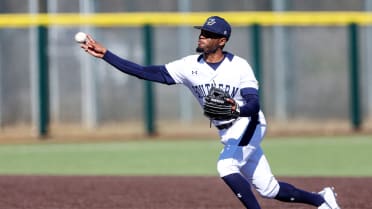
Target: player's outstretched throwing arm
x,y
157,73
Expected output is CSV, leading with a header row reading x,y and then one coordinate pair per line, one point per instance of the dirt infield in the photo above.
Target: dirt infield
x,y
114,192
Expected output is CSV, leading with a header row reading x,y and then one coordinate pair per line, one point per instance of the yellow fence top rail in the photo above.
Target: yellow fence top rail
x,y
194,18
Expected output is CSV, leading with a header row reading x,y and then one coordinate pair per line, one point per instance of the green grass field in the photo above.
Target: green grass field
x,y
293,156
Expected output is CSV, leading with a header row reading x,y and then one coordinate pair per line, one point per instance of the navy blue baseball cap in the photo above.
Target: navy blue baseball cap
x,y
217,25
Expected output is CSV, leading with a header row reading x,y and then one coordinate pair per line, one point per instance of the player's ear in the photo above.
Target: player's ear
x,y
222,41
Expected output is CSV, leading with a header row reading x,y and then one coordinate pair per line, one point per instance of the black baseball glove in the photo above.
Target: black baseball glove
x,y
218,105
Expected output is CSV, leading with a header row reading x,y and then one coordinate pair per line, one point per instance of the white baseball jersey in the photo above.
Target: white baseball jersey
x,y
232,75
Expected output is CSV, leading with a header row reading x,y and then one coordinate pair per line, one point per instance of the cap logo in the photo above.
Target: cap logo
x,y
211,21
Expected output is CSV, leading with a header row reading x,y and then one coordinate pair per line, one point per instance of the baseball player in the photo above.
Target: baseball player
x,y
241,128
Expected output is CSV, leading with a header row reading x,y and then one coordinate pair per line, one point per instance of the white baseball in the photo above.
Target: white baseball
x,y
80,37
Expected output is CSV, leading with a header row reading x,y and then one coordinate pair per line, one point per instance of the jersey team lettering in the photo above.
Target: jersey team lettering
x,y
202,91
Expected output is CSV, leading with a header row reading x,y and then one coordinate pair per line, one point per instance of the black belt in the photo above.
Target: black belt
x,y
224,126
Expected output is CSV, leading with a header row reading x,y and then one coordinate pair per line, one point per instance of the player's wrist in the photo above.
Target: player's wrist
x,y
105,53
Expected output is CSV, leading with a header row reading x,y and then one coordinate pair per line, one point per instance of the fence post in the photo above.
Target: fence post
x,y
43,81
149,103
256,55
355,109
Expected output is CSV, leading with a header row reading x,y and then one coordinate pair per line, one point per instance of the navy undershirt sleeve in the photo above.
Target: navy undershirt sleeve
x,y
157,73
252,105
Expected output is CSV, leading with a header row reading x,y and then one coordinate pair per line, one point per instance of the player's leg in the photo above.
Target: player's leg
x,y
233,156
228,169
257,171
289,193
231,159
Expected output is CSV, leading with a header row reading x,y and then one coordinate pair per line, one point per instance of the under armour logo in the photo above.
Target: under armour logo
x,y
211,21
239,195
194,72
